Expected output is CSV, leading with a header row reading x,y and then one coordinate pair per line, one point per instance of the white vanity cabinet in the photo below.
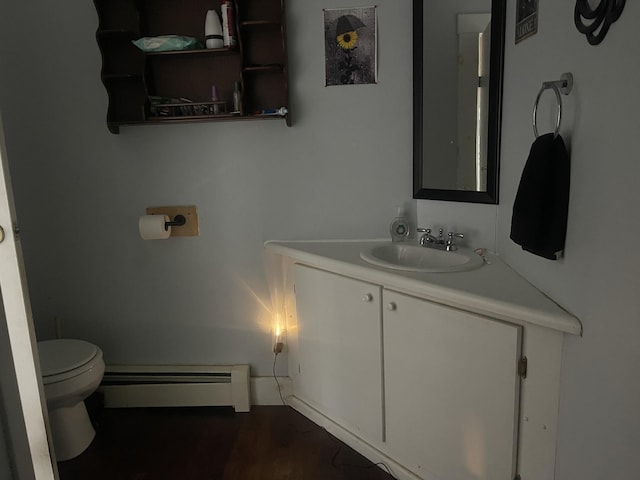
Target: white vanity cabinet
x,y
339,364
450,377
451,390
425,372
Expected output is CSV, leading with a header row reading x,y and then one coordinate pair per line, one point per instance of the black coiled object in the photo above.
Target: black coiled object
x,y
598,19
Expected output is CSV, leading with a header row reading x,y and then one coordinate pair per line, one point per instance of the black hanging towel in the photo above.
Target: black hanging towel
x,y
539,221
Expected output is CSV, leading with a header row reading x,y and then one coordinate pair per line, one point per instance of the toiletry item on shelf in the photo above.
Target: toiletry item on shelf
x,y
399,228
237,98
228,24
282,111
167,43
218,107
213,30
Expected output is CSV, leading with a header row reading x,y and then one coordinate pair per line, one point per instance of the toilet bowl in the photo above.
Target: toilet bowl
x,y
71,371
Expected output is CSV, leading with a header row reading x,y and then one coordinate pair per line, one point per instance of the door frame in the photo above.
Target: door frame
x,y
27,426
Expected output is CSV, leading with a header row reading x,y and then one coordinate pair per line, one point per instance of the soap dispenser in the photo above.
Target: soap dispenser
x,y
399,228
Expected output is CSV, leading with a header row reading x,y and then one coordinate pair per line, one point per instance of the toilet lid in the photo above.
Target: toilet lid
x,y
63,355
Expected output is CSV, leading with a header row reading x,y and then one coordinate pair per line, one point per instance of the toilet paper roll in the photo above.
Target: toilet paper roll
x,y
151,227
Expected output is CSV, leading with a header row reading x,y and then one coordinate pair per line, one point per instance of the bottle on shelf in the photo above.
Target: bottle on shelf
x,y
230,38
237,98
213,30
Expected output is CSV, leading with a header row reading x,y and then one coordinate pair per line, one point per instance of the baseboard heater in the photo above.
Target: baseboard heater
x,y
176,386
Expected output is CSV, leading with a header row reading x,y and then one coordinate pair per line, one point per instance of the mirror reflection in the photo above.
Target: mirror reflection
x,y
458,48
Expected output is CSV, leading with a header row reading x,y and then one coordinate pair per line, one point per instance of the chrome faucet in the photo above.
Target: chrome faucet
x,y
430,241
451,241
427,240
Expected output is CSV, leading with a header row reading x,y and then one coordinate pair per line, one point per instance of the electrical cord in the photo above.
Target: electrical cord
x,y
275,357
337,465
276,351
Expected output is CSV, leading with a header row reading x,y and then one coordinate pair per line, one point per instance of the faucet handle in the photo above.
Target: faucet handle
x,y
451,243
426,238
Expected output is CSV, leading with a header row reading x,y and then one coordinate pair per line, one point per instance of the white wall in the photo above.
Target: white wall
x,y
339,172
599,425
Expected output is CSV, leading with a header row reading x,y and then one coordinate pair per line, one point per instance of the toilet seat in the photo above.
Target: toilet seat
x,y
66,358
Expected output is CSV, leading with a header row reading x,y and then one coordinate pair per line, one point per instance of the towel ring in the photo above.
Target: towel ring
x,y
564,86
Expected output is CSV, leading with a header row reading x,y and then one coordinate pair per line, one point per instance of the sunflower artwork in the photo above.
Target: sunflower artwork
x,y
350,46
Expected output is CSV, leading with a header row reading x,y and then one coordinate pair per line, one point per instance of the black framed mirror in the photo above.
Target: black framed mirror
x,y
458,56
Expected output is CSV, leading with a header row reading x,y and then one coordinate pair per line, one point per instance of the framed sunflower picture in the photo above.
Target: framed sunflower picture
x,y
350,46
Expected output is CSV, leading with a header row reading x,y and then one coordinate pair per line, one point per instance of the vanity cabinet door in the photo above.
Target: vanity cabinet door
x,y
451,390
339,349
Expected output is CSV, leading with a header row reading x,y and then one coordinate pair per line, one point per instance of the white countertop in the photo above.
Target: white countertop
x,y
494,290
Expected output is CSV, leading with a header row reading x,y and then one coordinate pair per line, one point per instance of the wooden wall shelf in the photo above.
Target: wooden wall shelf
x,y
131,77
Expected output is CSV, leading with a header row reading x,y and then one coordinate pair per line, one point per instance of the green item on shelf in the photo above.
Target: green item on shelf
x,y
166,43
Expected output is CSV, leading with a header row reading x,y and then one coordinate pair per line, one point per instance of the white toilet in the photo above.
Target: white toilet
x,y
71,371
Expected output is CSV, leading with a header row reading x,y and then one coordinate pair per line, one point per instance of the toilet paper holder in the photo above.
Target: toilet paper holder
x,y
187,215
177,221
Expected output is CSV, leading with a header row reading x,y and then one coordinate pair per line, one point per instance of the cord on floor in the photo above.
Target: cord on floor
x,y
275,357
385,467
336,465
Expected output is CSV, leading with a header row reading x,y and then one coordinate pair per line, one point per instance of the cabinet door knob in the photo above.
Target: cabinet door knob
x,y
367,297
391,306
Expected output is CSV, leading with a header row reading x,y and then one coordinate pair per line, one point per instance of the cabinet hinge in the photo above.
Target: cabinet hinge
x,y
522,369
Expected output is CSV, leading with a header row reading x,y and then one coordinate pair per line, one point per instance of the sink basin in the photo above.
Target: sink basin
x,y
414,258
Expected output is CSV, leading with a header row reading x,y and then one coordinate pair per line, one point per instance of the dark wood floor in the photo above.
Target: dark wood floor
x,y
269,443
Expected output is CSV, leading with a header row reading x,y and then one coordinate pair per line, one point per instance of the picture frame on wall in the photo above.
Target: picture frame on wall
x,y
526,19
350,46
